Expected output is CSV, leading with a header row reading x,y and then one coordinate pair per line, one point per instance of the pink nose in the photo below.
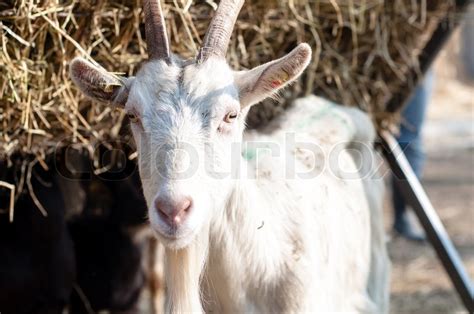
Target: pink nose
x,y
173,212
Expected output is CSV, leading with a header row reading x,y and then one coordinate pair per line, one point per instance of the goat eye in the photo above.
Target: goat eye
x,y
230,117
132,117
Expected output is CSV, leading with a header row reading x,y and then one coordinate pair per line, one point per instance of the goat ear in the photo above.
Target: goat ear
x,y
264,81
98,83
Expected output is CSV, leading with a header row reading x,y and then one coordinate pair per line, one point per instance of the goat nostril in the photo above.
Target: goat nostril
x,y
161,209
185,205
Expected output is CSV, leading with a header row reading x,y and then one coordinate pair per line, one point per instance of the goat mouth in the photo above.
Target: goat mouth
x,y
174,241
172,234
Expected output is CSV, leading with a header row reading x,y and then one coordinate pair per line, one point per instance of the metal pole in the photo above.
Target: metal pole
x,y
416,197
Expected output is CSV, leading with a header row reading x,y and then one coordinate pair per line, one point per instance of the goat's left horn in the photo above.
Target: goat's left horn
x,y
155,30
218,34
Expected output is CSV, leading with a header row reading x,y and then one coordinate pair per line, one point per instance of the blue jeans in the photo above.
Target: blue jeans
x,y
410,138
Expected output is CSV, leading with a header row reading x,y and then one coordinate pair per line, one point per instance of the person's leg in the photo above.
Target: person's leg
x,y
467,43
410,140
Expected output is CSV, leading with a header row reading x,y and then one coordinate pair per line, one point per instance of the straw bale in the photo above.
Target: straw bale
x,y
363,50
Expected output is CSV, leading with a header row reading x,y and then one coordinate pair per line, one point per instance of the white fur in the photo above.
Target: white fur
x,y
258,241
289,232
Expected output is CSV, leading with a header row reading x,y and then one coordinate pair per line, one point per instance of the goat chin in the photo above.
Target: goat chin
x,y
175,244
183,269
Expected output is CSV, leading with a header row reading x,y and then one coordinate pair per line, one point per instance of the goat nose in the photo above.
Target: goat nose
x,y
173,212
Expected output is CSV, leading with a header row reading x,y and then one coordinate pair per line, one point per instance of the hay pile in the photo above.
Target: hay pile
x,y
363,50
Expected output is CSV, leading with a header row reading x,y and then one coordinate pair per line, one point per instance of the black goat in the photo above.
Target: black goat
x,y
87,254
37,264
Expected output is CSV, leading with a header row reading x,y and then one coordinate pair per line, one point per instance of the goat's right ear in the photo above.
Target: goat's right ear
x,y
98,83
266,80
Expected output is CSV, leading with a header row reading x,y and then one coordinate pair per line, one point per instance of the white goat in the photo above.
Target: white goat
x,y
244,234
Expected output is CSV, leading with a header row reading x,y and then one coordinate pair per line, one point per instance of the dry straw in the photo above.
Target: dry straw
x,y
363,51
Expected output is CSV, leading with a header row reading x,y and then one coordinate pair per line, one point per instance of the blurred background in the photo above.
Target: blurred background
x,y
87,237
419,283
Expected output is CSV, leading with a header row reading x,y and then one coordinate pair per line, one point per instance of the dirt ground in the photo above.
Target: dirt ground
x,y
419,282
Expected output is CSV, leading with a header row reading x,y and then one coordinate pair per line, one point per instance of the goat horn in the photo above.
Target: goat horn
x,y
218,34
155,30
